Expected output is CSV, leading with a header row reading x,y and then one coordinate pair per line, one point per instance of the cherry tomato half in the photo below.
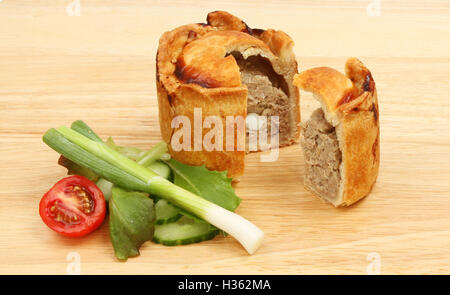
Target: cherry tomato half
x,y
73,207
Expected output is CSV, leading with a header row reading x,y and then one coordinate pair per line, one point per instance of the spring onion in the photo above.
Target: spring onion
x,y
153,154
130,152
165,157
128,174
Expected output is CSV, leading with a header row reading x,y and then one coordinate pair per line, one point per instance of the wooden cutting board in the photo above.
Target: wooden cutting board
x,y
100,67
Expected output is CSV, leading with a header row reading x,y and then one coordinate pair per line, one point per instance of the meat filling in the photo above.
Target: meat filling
x,y
322,156
267,92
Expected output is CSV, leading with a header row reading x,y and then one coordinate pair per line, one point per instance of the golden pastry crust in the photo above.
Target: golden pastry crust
x,y
196,70
350,104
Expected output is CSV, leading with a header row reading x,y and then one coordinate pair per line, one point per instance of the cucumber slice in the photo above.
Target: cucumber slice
x,y
184,231
166,213
106,187
160,168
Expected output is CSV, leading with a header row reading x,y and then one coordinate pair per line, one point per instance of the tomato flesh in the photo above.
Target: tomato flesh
x,y
73,207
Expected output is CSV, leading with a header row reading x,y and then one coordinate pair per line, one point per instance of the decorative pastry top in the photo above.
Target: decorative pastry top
x,y
201,53
340,93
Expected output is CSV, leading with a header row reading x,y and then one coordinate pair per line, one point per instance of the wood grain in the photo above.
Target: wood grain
x,y
99,67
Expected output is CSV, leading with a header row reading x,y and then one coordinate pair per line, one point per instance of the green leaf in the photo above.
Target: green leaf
x,y
213,186
131,221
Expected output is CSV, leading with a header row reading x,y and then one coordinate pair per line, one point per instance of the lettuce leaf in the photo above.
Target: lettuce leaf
x,y
213,186
131,221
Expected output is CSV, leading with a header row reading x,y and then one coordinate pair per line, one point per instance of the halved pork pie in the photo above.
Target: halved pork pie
x,y
341,139
225,69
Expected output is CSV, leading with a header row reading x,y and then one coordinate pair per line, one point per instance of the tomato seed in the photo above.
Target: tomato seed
x,y
85,200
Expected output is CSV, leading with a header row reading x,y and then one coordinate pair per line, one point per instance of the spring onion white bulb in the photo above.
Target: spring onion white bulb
x,y
238,227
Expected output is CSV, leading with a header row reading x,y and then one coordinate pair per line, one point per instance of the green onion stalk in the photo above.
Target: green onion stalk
x,y
153,154
83,147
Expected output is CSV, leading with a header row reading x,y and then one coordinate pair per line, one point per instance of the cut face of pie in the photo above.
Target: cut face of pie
x,y
340,140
